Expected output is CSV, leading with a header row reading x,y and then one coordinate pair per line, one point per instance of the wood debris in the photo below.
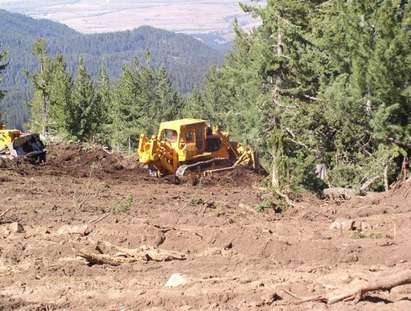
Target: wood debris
x,y
115,255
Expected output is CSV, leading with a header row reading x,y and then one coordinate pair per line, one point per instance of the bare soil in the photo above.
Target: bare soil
x,y
236,258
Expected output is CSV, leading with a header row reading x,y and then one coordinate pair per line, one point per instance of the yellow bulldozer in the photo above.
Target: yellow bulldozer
x,y
191,144
16,144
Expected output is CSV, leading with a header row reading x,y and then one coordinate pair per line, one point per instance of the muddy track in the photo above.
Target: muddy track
x,y
235,257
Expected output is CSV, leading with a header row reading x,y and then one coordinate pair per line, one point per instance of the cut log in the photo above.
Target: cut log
x,y
101,259
115,255
144,251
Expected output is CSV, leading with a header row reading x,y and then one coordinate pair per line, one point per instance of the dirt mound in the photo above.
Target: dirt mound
x,y
240,177
84,161
22,166
400,194
78,160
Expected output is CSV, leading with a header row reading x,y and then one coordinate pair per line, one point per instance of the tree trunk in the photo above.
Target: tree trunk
x,y
275,180
45,114
386,184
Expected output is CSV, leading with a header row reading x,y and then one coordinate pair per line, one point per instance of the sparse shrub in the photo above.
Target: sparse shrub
x,y
123,206
262,206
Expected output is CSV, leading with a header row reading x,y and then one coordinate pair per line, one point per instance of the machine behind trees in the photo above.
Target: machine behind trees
x,y
191,144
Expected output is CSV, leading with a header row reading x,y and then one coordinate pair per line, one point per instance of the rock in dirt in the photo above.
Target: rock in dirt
x,y
176,280
81,230
14,227
342,224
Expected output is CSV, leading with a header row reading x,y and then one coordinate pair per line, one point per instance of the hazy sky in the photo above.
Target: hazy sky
x,y
111,15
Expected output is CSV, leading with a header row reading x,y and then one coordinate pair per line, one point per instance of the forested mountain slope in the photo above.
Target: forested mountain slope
x,y
186,59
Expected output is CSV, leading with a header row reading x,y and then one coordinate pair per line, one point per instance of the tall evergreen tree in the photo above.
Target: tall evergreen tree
x,y
143,98
106,105
60,95
124,113
52,96
84,113
169,104
40,105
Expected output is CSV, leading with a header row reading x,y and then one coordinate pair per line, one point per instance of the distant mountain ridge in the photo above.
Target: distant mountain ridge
x,y
186,59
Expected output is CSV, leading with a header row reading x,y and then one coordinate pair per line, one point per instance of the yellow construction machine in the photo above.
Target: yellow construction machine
x,y
16,144
191,144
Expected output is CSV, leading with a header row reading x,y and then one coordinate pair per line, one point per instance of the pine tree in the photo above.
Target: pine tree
x,y
124,114
42,84
84,112
106,104
143,97
368,74
145,109
267,84
169,104
60,95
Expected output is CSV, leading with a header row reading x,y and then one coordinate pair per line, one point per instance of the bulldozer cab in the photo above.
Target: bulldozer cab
x,y
187,133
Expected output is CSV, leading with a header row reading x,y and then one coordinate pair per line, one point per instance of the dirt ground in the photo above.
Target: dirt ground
x,y
235,257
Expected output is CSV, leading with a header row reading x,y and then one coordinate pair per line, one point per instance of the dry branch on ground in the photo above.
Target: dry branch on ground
x,y
124,255
380,283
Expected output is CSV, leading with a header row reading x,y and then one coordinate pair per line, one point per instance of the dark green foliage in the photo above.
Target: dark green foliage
x,y
52,92
143,97
114,114
84,113
105,94
319,83
185,58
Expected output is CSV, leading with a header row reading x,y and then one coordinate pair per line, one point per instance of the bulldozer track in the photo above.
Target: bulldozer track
x,y
183,168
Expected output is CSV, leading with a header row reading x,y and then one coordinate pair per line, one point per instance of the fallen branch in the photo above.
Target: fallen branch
x,y
96,221
285,197
125,255
368,183
6,211
302,300
356,293
101,259
382,283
